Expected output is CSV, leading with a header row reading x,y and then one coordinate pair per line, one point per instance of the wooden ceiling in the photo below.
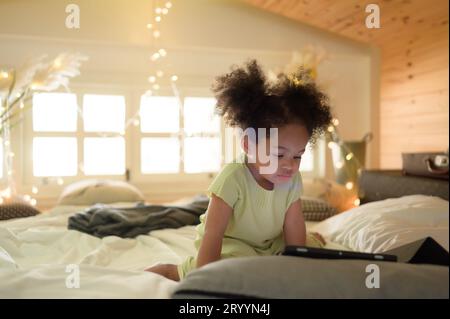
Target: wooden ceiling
x,y
413,41
402,21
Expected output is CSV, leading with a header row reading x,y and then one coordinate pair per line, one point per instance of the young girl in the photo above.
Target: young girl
x,y
252,212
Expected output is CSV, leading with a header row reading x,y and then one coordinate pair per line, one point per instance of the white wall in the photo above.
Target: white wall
x,y
202,37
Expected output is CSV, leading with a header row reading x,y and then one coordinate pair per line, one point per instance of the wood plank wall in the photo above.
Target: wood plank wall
x,y
413,40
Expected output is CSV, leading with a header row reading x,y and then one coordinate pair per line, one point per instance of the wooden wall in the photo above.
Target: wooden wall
x,y
413,39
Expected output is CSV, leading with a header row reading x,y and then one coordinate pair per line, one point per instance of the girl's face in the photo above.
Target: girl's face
x,y
292,140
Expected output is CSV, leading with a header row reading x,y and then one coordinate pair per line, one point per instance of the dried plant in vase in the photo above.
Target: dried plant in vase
x,y
17,87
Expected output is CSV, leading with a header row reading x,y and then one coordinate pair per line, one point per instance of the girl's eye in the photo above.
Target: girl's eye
x,y
298,157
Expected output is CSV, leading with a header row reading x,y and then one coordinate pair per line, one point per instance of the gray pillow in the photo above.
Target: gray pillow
x,y
295,277
315,209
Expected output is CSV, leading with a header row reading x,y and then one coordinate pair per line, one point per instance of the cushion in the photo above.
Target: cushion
x,y
316,209
335,194
90,192
382,225
17,210
296,277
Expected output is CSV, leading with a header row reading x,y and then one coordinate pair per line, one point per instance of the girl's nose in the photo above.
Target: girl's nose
x,y
288,165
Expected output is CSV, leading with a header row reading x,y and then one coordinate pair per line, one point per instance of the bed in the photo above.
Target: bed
x,y
40,257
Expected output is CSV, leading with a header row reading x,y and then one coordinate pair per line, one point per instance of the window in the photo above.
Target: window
x,y
112,134
58,136
174,144
202,145
54,156
54,143
103,126
307,162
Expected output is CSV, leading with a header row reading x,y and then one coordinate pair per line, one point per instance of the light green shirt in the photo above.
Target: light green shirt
x,y
258,214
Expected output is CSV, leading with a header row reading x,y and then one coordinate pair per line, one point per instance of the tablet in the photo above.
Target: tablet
x,y
303,251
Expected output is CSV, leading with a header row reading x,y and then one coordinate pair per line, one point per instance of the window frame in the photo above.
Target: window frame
x,y
154,183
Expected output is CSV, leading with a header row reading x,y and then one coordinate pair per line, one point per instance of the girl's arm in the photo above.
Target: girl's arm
x,y
294,225
217,219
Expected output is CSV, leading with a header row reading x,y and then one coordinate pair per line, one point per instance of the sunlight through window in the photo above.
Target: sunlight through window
x,y
159,114
54,156
199,115
104,156
160,155
104,113
307,162
202,154
54,112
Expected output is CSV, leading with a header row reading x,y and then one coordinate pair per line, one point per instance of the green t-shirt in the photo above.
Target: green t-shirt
x,y
258,214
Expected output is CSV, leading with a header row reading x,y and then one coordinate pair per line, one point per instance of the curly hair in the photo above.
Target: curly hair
x,y
246,99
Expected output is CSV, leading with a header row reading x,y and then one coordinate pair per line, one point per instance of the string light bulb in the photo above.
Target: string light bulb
x,y
149,26
335,122
174,78
349,156
165,11
330,128
156,33
4,74
339,165
162,52
357,202
152,79
158,10
349,185
155,56
159,73
34,190
158,19
168,5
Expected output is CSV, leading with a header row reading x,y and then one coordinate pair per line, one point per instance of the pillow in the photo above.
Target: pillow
x,y
295,277
17,210
383,225
90,192
335,194
316,209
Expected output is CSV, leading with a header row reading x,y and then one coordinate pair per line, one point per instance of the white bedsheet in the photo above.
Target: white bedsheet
x,y
35,253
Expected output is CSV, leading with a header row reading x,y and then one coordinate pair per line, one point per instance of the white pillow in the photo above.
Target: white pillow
x,y
90,192
379,226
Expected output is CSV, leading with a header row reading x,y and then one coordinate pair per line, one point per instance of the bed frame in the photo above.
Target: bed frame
x,y
377,185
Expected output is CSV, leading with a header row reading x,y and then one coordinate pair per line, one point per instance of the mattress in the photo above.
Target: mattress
x,y
40,257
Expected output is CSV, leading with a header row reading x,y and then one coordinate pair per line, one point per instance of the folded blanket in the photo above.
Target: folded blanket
x,y
102,220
